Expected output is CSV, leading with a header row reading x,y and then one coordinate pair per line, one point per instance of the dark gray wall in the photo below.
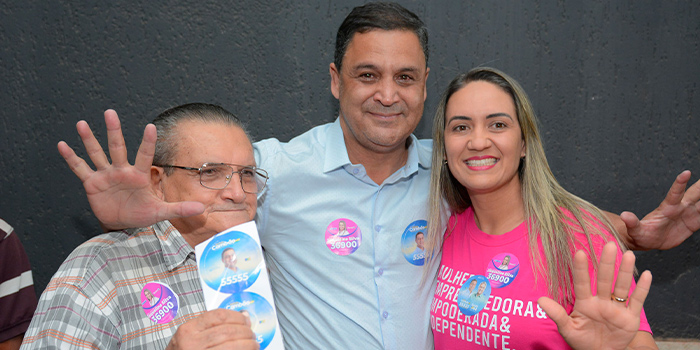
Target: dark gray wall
x,y
615,85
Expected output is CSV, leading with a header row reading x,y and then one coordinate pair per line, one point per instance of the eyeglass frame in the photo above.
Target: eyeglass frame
x,y
256,170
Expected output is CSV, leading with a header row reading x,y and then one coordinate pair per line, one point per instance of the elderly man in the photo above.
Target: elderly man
x,y
140,288
358,292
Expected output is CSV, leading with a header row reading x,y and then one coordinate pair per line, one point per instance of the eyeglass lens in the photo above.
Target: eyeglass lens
x,y
217,176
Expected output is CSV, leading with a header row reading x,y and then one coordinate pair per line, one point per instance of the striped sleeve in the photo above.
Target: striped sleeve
x,y
17,297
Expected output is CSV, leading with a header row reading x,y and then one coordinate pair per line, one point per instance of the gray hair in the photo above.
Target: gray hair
x,y
166,124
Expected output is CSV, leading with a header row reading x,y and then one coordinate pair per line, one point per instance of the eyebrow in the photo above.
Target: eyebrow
x,y
409,69
494,115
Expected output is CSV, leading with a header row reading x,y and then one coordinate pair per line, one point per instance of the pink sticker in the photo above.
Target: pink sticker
x,y
343,236
159,302
502,270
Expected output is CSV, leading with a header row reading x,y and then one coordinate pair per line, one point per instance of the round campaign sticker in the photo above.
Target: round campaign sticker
x,y
343,236
159,302
502,269
262,316
412,242
473,295
231,262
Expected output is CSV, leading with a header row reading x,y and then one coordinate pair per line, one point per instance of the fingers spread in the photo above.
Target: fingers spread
x,y
115,139
582,281
144,157
625,276
93,148
606,270
76,164
640,292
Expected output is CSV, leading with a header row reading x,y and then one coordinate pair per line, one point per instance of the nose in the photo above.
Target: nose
x,y
234,190
479,139
387,92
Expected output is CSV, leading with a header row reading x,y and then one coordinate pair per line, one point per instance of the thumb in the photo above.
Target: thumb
x,y
179,209
555,311
630,220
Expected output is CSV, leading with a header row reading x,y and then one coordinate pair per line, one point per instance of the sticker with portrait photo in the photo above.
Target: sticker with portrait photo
x,y
412,242
343,236
231,262
159,302
473,295
502,269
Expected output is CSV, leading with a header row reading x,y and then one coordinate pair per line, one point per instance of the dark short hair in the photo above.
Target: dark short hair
x,y
378,15
166,124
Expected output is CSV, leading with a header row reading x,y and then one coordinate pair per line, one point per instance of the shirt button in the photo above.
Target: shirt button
x,y
355,171
381,271
378,228
385,314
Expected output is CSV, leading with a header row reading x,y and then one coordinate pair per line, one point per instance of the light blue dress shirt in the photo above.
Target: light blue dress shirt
x,y
371,298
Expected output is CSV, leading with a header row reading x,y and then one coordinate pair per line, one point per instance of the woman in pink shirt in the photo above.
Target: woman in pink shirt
x,y
516,232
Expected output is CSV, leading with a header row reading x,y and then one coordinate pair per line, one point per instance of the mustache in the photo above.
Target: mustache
x,y
232,207
377,108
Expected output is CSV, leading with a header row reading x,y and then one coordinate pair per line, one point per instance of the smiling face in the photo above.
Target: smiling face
x,y
229,258
420,239
482,288
483,140
381,89
199,143
472,285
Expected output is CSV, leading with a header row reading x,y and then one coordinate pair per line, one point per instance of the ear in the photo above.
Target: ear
x,y
335,80
425,84
157,177
522,151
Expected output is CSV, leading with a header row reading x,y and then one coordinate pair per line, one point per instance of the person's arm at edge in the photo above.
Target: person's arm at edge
x,y
667,226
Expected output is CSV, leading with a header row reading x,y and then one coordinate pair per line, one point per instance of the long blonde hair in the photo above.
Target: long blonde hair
x,y
544,199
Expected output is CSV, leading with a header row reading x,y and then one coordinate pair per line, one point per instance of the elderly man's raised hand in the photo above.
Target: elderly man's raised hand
x,y
216,329
119,193
676,218
599,321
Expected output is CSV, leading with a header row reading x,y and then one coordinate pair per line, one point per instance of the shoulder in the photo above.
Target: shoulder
x,y
270,147
93,256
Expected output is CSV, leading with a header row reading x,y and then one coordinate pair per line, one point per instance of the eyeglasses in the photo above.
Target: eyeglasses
x,y
216,176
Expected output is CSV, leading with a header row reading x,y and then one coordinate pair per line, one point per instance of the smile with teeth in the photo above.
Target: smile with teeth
x,y
481,162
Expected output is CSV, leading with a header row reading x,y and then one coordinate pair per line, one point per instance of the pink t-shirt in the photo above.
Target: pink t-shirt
x,y
501,310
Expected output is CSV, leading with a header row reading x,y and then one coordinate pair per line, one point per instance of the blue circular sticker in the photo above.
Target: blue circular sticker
x,y
343,236
473,295
412,242
231,262
502,269
262,316
159,302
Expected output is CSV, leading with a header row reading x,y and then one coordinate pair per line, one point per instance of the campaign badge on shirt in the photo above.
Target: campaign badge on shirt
x,y
159,302
343,236
231,263
260,312
473,295
502,269
412,242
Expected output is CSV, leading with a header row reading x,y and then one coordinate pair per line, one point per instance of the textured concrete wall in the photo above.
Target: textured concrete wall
x,y
615,85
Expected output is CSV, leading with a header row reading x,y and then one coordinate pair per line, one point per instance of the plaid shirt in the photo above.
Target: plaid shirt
x,y
94,300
